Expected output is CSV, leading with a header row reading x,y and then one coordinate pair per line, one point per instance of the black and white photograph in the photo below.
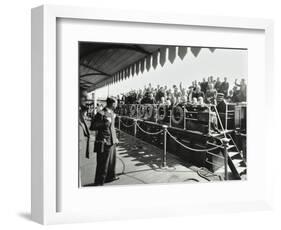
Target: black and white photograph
x,y
155,113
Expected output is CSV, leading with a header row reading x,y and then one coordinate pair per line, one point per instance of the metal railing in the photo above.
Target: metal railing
x,y
189,116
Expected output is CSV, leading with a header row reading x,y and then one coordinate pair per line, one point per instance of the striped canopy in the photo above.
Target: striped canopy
x,y
101,64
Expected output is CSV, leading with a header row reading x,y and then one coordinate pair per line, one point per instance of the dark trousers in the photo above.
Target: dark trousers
x,y
106,162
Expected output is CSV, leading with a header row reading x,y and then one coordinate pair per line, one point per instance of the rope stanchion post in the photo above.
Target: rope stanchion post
x,y
119,126
135,127
164,157
119,123
135,123
225,142
209,121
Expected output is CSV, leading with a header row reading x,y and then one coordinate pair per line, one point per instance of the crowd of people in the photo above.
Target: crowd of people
x,y
206,91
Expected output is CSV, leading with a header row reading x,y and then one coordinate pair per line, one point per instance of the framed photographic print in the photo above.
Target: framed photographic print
x,y
139,114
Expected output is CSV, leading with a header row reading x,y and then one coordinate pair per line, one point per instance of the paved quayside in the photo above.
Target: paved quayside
x,y
139,163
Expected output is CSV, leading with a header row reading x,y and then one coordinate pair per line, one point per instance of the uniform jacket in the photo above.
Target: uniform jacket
x,y
106,133
84,136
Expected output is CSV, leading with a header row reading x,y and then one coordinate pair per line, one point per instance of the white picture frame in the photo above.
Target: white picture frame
x,y
45,182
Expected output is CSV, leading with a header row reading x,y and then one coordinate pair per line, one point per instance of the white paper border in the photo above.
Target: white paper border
x,y
48,214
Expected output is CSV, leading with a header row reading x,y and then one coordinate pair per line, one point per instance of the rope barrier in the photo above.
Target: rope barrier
x,y
173,137
206,174
189,148
127,126
156,133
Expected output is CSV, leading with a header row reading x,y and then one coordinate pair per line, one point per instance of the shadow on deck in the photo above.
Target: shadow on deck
x,y
139,163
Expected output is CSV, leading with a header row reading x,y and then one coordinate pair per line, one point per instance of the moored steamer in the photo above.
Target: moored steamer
x,y
191,131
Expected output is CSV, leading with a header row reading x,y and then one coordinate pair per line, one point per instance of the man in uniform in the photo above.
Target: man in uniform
x,y
105,144
84,134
